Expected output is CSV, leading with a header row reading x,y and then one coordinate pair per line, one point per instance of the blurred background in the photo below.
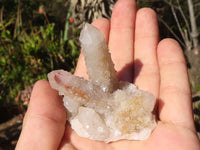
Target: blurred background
x,y
37,36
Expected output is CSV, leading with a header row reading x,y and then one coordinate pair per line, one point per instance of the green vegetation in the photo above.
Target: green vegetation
x,y
31,46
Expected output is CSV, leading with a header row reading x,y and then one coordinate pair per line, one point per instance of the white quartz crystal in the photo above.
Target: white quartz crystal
x,y
100,67
103,108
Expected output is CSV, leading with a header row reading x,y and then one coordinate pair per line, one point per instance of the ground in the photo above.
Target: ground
x,y
10,126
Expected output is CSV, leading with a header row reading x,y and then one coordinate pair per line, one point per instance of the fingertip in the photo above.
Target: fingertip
x,y
169,43
170,50
103,25
45,100
122,5
146,25
143,12
41,84
101,22
42,90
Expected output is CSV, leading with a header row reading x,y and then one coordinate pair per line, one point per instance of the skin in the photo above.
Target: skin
x,y
156,66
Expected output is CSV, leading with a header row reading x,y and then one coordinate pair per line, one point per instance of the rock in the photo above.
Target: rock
x,y
103,108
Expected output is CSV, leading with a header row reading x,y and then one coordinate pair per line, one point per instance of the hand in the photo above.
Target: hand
x,y
139,57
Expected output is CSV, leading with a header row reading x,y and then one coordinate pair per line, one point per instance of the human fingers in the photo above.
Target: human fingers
x,y
122,36
44,122
146,71
104,26
175,104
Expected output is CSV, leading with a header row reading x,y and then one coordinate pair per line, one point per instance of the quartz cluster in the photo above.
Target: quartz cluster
x,y
103,108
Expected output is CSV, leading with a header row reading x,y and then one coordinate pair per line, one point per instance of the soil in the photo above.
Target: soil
x,y
10,126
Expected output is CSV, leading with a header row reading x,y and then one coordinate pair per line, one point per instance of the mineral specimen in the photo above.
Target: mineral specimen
x,y
103,108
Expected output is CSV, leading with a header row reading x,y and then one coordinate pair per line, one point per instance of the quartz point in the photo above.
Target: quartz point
x,y
103,108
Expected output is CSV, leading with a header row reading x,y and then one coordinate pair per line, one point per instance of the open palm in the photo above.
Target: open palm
x,y
139,57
